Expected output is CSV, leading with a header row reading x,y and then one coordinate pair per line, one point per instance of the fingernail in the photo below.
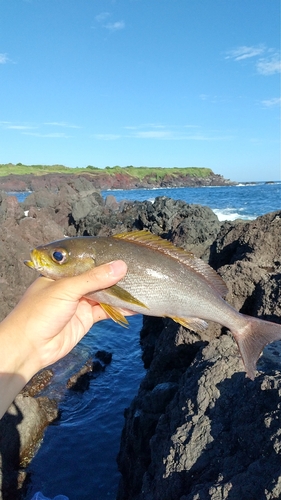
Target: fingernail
x,y
118,268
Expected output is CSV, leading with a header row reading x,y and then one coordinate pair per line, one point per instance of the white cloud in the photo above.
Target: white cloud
x,y
162,132
245,52
208,138
145,125
27,129
118,25
275,101
61,124
54,135
270,65
3,58
100,18
175,134
16,126
155,127
153,134
20,127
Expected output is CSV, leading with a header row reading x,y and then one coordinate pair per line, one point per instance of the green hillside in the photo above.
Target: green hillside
x,y
139,172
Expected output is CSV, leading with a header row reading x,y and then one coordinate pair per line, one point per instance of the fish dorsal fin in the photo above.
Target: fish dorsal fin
x,y
154,242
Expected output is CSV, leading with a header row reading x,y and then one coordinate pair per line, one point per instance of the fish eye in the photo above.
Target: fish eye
x,y
59,256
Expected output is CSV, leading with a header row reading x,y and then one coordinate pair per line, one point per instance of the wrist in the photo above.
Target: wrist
x,y
16,353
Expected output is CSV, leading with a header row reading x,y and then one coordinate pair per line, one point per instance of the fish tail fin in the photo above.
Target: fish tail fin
x,y
252,338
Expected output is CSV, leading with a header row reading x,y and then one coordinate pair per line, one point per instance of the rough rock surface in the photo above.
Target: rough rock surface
x,y
21,429
198,429
19,234
45,215
192,226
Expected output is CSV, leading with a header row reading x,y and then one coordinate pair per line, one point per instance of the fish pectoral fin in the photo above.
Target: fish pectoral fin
x,y
115,314
120,293
195,324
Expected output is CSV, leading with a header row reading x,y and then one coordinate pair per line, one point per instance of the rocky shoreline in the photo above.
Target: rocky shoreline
x,y
197,429
103,181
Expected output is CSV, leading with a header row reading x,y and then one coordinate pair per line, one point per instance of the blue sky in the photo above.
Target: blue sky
x,y
142,82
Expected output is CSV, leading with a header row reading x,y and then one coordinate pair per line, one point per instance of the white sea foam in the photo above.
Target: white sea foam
x,y
230,214
241,184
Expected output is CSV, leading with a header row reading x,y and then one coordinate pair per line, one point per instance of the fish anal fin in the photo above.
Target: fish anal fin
x,y
115,314
195,324
120,293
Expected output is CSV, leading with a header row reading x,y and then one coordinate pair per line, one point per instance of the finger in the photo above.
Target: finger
x,y
95,279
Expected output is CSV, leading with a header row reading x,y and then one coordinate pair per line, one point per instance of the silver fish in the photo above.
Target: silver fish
x,y
162,280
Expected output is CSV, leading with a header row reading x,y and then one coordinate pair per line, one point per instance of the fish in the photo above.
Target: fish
x,y
162,280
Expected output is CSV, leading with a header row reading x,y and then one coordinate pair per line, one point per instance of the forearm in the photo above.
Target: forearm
x,y
10,386
15,368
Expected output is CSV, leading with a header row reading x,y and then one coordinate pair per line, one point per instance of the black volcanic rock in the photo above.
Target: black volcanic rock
x,y
192,226
19,234
216,435
197,429
21,429
65,201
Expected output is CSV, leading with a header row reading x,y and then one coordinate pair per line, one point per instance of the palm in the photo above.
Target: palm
x,y
59,336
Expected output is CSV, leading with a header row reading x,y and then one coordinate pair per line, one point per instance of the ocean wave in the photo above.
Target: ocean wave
x,y
246,184
231,214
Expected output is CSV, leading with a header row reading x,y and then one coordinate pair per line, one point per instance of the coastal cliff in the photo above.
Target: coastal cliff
x,y
198,429
24,178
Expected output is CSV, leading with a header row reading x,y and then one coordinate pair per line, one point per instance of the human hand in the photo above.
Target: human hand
x,y
53,316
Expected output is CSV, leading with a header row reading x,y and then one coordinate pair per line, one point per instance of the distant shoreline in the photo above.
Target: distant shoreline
x,y
27,178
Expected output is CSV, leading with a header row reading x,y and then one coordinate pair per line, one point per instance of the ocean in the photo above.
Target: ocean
x,y
77,456
243,201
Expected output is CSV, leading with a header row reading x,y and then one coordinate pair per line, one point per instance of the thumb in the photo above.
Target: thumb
x,y
94,279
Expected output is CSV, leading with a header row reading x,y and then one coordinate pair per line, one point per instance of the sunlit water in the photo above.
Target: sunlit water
x,y
78,455
228,202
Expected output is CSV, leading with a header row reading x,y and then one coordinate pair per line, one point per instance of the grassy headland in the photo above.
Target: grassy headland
x,y
138,172
30,177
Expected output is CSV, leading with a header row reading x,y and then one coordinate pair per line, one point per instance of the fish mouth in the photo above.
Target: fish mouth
x,y
37,261
29,263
